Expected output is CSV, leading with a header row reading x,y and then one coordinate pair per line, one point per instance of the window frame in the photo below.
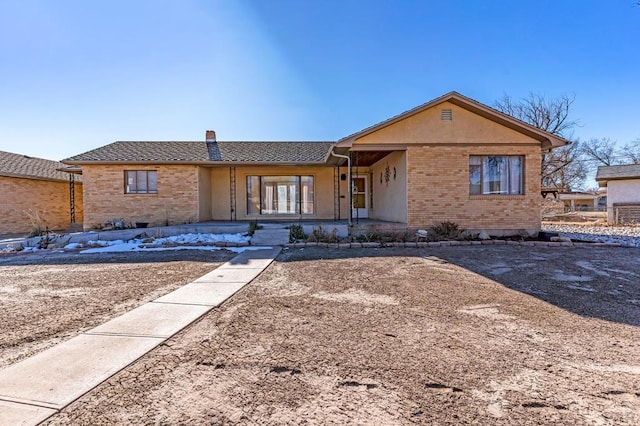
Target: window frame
x,y
150,185
479,168
256,196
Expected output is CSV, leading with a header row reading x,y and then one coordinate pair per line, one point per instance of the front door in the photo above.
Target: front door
x,y
359,198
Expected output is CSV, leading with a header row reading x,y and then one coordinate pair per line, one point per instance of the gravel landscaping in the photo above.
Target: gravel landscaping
x,y
448,335
623,235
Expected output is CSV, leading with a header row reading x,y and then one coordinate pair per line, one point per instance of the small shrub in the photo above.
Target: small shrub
x,y
446,231
36,232
38,227
367,237
385,237
320,235
45,240
296,233
253,227
403,237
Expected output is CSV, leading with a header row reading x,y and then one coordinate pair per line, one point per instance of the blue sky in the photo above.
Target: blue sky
x,y
75,75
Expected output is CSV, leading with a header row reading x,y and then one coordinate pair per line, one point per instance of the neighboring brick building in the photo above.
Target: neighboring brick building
x,y
32,189
451,159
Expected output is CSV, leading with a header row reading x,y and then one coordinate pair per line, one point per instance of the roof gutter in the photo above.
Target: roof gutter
x,y
348,178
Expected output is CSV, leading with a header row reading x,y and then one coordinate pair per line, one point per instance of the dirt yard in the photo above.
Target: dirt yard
x,y
458,335
50,297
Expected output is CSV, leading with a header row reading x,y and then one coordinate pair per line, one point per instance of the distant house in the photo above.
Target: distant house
x,y
623,192
450,159
34,192
583,201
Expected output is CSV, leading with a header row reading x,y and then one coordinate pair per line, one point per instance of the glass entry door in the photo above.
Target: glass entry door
x,y
359,198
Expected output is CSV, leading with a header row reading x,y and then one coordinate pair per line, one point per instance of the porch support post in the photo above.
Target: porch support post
x,y
72,198
348,179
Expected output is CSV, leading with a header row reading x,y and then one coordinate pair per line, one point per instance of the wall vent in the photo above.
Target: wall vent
x,y
446,114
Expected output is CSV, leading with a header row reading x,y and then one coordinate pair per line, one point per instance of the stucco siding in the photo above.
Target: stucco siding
x,y
621,191
427,127
323,190
390,192
220,193
204,194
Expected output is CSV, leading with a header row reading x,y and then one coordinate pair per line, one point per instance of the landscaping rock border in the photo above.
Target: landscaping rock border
x,y
423,244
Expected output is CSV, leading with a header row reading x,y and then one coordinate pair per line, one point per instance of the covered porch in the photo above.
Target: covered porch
x,y
378,190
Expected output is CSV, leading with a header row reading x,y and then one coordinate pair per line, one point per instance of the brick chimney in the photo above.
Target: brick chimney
x,y
210,136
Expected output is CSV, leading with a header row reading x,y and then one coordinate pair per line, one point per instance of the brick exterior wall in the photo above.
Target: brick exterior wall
x,y
436,176
437,159
50,199
176,201
438,182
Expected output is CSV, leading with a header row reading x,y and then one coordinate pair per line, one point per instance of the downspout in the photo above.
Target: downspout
x,y
348,178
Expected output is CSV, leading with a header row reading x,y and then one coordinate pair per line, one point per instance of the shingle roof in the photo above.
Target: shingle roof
x,y
23,166
204,152
627,171
277,152
144,151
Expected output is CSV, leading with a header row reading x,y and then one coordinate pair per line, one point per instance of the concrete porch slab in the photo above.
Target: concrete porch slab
x,y
12,413
160,320
202,293
57,376
269,237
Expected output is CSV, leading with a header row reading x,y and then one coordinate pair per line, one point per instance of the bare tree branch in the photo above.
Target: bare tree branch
x,y
601,150
550,115
631,151
562,167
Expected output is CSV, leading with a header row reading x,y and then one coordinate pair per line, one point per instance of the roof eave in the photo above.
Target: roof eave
x,y
616,178
31,177
195,163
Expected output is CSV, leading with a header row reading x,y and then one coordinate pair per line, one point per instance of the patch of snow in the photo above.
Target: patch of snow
x,y
589,267
72,246
176,242
581,288
561,276
500,271
129,247
204,238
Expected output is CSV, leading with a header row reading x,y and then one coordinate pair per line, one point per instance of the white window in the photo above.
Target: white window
x,y
140,182
499,174
280,195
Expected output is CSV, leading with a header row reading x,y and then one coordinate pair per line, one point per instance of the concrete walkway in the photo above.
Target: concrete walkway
x,y
40,386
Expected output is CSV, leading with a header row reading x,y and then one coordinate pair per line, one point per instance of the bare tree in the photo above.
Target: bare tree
x,y
602,151
631,152
550,115
564,168
561,167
